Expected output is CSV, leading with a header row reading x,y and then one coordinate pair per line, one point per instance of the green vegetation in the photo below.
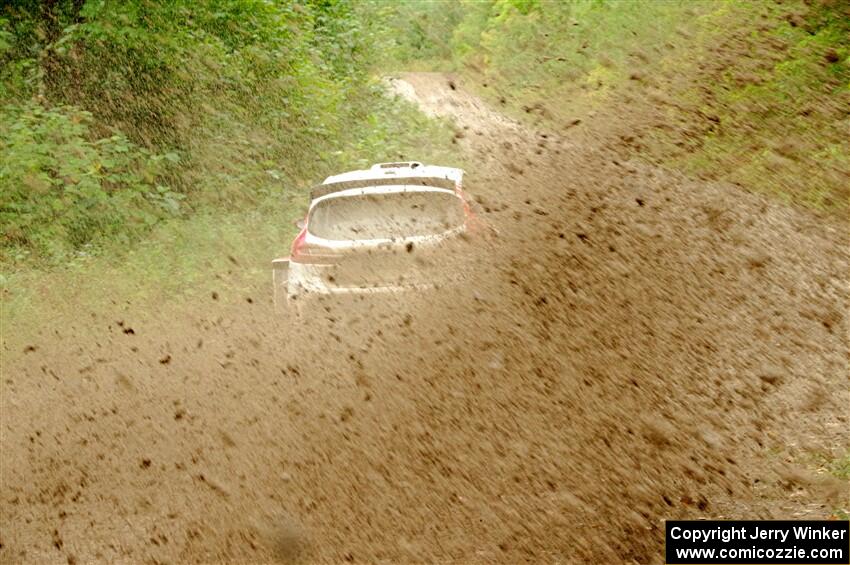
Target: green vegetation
x,y
774,106
64,189
209,251
146,139
840,467
548,52
142,143
753,93
116,116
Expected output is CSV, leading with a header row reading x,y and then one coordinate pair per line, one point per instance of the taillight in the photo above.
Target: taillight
x,y
470,220
311,253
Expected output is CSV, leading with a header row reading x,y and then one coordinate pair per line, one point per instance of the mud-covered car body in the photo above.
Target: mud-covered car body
x,y
384,229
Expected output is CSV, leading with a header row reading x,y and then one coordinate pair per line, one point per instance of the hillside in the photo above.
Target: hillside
x,y
752,93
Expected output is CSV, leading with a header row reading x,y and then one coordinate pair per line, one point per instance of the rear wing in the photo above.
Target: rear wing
x,y
331,187
397,165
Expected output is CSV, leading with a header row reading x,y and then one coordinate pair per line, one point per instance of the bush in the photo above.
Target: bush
x,y
98,98
61,190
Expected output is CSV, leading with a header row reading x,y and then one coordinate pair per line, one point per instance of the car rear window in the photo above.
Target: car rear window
x,y
386,216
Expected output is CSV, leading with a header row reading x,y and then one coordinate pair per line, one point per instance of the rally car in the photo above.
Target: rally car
x,y
390,228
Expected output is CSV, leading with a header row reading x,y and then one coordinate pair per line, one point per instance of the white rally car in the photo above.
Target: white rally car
x,y
389,228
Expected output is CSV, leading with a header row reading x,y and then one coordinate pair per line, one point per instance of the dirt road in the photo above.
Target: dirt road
x,y
638,346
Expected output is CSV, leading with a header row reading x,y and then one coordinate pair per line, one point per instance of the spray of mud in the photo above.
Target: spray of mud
x,y
632,347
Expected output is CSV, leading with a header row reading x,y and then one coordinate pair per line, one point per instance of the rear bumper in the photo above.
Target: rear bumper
x,y
313,279
378,289
296,282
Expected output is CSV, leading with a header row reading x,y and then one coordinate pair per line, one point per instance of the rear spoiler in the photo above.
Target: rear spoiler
x,y
397,165
331,187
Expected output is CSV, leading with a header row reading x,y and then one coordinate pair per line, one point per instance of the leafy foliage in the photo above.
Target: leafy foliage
x,y
255,97
778,120
754,93
61,190
527,46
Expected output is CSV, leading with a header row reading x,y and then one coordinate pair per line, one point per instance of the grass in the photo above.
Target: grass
x,y
840,466
179,260
561,58
118,116
151,152
782,115
818,463
779,97
214,249
752,93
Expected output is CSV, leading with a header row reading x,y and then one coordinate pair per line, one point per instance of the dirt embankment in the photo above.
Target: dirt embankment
x,y
637,346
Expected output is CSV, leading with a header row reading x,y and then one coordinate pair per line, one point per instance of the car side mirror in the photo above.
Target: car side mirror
x,y
299,223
